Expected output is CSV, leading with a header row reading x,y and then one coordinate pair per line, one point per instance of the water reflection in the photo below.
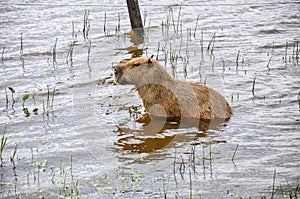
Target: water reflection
x,y
136,38
155,135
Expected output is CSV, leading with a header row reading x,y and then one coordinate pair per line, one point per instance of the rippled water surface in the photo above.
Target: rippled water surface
x,y
83,141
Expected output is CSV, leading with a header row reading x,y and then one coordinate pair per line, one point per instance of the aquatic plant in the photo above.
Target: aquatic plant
x,y
118,27
6,99
3,143
104,23
89,53
69,57
24,98
12,96
273,185
237,59
86,24
12,158
196,26
268,65
35,111
211,44
21,47
2,54
253,87
236,148
25,110
164,187
54,53
50,103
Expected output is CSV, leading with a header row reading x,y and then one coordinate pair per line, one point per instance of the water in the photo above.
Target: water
x,y
84,142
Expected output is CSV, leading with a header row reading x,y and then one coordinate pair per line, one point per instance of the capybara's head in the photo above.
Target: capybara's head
x,y
140,71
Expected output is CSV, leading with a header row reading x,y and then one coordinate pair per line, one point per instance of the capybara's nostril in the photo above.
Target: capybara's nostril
x,y
117,70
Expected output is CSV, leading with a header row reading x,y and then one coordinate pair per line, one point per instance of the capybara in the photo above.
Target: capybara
x,y
164,96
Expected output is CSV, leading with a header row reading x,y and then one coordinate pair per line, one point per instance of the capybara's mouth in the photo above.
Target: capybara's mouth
x,y
117,74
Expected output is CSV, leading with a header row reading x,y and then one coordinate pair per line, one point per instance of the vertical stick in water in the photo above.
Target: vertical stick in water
x,y
135,17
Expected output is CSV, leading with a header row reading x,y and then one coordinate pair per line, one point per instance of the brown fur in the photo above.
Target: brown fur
x,y
164,96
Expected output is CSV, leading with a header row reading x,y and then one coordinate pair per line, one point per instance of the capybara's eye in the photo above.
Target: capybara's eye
x,y
136,64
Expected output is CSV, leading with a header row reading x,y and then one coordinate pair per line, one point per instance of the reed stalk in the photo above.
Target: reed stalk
x,y
253,87
104,24
236,148
3,143
2,54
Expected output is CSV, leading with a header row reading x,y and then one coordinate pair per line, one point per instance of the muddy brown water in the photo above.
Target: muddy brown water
x,y
84,141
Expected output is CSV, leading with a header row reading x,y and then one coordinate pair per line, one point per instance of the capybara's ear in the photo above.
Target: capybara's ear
x,y
150,64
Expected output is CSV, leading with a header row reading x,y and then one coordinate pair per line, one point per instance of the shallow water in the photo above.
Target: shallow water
x,y
84,140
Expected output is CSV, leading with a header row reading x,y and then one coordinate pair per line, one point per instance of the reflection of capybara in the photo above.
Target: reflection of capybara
x,y
164,96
